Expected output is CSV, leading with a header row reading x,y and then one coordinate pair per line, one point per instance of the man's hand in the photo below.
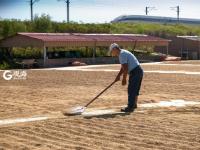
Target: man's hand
x,y
124,82
117,79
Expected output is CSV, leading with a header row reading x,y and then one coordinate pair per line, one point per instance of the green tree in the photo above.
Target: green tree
x,y
42,24
10,27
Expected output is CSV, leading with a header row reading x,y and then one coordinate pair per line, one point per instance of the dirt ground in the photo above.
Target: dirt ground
x,y
46,92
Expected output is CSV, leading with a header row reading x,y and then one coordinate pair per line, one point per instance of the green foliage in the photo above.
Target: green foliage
x,y
161,30
101,52
4,65
5,61
26,53
80,28
42,24
11,27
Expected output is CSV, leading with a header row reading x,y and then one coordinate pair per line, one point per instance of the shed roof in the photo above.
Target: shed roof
x,y
193,38
78,39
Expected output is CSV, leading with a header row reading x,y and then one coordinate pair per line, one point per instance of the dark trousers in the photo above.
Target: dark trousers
x,y
135,80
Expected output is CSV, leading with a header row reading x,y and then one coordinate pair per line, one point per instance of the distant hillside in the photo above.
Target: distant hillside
x,y
155,19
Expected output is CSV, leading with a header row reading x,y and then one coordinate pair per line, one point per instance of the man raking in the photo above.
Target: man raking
x,y
131,66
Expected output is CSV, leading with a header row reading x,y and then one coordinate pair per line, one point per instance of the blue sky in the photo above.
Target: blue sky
x,y
97,11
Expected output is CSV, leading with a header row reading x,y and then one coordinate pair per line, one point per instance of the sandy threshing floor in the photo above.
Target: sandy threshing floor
x,y
48,92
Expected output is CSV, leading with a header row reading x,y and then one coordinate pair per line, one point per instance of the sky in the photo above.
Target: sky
x,y
97,11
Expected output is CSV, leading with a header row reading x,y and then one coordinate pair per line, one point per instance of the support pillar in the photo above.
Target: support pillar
x,y
94,53
167,50
44,55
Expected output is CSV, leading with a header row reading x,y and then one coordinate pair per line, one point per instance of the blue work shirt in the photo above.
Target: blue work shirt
x,y
126,57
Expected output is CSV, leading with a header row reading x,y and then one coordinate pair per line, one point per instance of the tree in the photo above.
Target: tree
x,y
42,24
11,27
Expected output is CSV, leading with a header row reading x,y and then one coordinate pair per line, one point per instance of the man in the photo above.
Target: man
x,y
131,66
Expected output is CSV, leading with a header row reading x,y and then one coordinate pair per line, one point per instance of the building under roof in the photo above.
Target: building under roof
x,y
45,40
155,19
186,47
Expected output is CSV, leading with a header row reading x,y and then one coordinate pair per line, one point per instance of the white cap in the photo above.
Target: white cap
x,y
112,46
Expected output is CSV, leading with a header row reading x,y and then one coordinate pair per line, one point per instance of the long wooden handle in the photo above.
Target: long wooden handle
x,y
99,94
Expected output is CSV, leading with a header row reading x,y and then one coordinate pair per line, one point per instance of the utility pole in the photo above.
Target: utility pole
x,y
177,8
148,9
67,2
67,5
32,2
178,13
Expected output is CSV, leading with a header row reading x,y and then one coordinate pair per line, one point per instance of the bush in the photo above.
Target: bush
x,y
26,53
4,65
155,29
11,27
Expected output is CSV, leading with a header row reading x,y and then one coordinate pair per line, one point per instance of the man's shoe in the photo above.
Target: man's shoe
x,y
128,109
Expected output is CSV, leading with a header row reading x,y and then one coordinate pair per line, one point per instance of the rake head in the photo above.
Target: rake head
x,y
75,111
